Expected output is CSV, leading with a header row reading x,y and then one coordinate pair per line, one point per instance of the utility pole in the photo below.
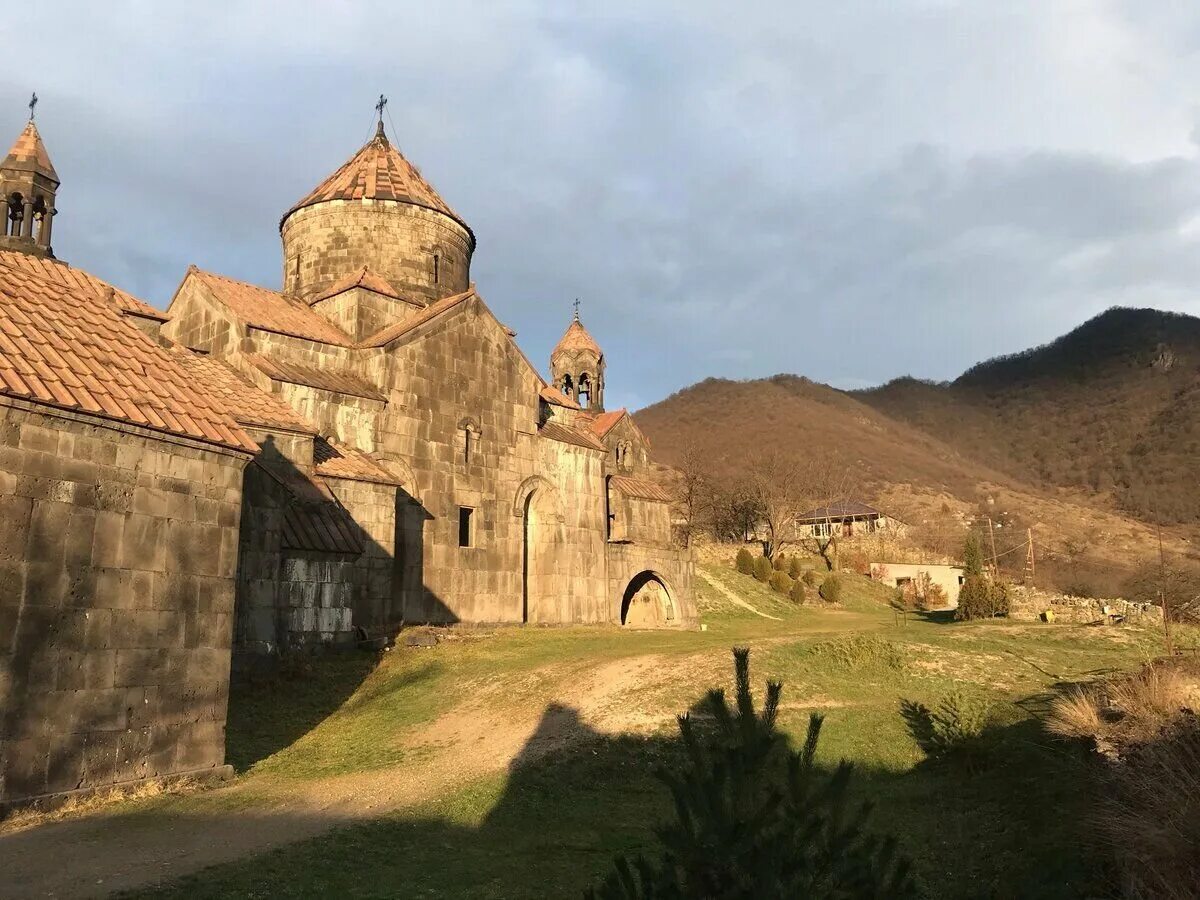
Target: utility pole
x,y
995,559
1162,593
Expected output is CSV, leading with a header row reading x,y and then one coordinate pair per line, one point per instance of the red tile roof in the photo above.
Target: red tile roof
x,y
604,422
249,404
574,340
334,460
323,379
270,310
567,435
366,279
555,397
640,489
385,336
28,154
57,270
65,347
378,172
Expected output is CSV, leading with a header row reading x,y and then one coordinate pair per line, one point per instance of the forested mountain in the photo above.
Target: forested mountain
x,y
1113,407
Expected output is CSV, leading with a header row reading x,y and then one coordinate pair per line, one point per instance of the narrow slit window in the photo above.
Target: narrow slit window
x,y
437,269
466,526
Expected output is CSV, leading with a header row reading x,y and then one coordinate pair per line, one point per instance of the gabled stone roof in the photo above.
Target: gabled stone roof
x,y
270,310
28,154
57,270
66,347
640,489
333,380
568,435
604,422
367,280
385,336
247,403
555,397
333,460
379,172
576,339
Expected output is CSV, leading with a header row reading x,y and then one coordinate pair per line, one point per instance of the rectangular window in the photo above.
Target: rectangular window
x,y
466,529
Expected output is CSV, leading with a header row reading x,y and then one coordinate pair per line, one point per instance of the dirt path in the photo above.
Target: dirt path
x,y
121,850
732,597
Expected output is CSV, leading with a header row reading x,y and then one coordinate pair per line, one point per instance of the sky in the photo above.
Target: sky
x,y
850,191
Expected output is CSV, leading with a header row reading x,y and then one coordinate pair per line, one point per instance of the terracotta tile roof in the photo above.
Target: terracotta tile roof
x,y
604,422
575,340
378,172
66,347
366,279
28,154
324,379
56,270
555,397
640,488
385,336
334,460
246,402
270,310
838,510
566,435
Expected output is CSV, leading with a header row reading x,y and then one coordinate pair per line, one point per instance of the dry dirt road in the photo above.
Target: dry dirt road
x,y
123,847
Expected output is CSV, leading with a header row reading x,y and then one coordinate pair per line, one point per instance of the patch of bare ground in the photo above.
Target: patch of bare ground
x,y
147,842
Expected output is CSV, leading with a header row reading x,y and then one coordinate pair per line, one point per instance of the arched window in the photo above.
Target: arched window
x,y
437,269
585,390
568,386
468,446
16,212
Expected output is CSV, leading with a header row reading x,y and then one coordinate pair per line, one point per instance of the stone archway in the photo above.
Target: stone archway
x,y
648,602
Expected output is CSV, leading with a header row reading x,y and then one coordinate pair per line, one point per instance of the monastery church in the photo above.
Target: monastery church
x,y
185,494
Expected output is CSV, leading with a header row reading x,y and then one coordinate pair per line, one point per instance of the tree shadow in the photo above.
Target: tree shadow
x,y
573,799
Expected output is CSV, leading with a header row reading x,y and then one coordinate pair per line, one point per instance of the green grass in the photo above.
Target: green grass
x,y
1014,824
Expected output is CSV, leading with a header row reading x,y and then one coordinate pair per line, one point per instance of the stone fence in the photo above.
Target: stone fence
x,y
1030,604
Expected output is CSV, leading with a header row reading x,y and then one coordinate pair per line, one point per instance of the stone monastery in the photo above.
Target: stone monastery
x,y
255,471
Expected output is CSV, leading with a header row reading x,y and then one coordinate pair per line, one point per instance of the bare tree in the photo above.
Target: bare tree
x,y
773,483
826,483
693,492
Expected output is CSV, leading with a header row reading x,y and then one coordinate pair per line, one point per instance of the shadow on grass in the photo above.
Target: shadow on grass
x,y
267,716
573,799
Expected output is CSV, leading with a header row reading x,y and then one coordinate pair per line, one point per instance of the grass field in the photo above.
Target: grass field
x,y
547,819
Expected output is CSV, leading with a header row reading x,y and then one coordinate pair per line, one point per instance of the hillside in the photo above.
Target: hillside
x,y
1112,408
930,484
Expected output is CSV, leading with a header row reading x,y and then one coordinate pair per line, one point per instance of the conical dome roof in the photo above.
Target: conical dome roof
x,y
576,339
28,154
379,172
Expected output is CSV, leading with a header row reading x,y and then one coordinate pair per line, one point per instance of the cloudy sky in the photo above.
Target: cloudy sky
x,y
850,191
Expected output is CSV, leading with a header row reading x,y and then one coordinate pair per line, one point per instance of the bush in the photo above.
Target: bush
x,y
859,651
779,563
831,589
780,582
755,818
981,598
799,593
762,568
744,562
809,578
795,567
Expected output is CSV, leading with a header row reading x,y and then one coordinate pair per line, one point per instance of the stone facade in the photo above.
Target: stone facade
x,y
118,549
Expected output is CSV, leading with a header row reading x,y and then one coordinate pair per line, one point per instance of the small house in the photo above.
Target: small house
x,y
843,518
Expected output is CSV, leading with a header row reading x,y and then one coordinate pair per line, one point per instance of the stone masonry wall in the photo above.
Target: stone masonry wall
x,y
325,242
675,568
117,557
373,509
1028,604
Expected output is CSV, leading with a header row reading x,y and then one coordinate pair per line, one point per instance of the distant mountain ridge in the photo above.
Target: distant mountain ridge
x,y
1112,407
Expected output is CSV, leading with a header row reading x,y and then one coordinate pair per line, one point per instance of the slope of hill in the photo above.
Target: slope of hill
x,y
909,472
1112,408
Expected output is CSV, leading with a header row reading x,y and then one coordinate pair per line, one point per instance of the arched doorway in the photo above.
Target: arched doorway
x,y
647,602
540,586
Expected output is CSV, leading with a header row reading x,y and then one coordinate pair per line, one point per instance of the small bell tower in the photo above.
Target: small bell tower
x,y
28,185
577,366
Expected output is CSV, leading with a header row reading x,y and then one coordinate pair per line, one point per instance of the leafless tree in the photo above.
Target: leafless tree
x,y
825,482
693,491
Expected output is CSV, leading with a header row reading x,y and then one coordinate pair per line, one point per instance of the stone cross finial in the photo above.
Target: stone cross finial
x,y
576,305
32,103
379,110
